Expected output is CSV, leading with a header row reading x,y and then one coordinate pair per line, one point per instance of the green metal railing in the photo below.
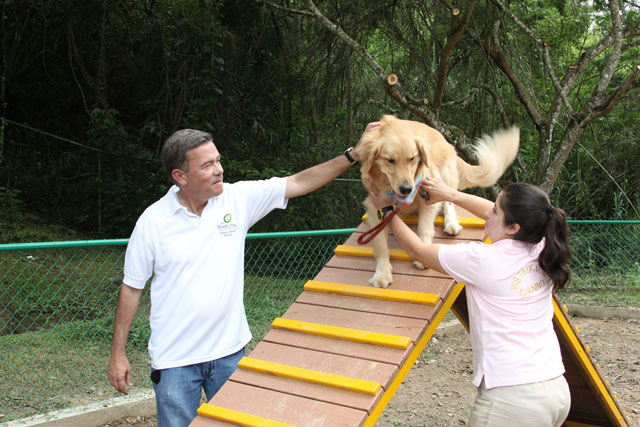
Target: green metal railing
x,y
57,303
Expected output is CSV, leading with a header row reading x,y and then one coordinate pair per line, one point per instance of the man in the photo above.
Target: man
x,y
192,242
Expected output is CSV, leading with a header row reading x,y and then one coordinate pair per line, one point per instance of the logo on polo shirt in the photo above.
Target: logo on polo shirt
x,y
522,281
226,227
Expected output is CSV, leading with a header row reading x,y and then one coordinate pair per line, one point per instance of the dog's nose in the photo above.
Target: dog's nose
x,y
405,189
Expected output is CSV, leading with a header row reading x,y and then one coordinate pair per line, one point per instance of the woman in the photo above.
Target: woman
x,y
517,362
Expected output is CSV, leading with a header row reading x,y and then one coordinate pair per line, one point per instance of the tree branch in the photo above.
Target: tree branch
x,y
614,98
287,9
457,29
337,31
498,101
494,51
611,61
453,134
546,60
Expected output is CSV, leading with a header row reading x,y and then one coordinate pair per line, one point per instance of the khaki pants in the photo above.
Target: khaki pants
x,y
542,404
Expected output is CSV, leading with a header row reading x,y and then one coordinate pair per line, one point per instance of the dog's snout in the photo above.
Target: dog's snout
x,y
405,189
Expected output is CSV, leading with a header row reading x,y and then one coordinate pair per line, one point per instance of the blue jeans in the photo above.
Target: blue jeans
x,y
179,390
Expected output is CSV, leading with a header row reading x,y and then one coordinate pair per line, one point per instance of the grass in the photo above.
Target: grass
x,y
56,368
63,362
603,288
265,299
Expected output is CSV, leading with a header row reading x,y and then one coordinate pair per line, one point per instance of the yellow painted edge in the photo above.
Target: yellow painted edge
x,y
592,375
310,376
468,222
347,334
353,250
371,292
367,251
235,417
417,350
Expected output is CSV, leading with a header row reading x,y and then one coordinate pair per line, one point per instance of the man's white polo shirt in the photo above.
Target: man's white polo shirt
x,y
197,263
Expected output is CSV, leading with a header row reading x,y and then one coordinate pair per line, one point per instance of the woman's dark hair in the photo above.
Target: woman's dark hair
x,y
529,207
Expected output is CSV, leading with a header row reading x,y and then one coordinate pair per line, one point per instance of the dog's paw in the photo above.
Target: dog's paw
x,y
419,265
452,228
380,280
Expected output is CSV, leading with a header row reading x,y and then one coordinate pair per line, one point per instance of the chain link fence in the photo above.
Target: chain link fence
x,y
57,303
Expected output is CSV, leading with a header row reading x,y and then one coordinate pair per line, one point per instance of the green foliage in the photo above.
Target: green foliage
x,y
279,93
12,211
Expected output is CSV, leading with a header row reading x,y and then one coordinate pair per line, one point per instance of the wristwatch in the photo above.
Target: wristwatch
x,y
382,212
347,154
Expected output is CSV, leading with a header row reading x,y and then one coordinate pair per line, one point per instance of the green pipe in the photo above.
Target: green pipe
x,y
122,242
250,236
599,221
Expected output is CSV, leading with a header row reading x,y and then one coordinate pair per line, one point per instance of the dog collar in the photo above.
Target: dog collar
x,y
406,201
383,211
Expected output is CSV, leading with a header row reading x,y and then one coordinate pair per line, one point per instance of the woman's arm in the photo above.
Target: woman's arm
x,y
410,242
441,192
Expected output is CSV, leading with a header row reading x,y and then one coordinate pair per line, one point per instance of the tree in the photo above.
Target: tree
x,y
586,84
588,55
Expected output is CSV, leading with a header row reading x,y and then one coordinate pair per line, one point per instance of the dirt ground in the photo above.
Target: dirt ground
x,y
438,390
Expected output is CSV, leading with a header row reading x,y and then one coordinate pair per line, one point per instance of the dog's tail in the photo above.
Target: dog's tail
x,y
495,153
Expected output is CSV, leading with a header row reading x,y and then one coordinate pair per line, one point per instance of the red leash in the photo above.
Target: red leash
x,y
368,235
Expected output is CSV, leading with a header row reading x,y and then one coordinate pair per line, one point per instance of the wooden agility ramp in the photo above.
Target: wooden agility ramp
x,y
337,356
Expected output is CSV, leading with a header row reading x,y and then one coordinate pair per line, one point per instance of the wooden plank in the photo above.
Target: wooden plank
x,y
466,234
411,328
336,346
346,334
235,417
367,251
201,421
473,228
371,292
593,398
464,221
312,376
587,402
282,407
393,244
391,308
425,337
360,401
461,310
369,264
321,361
421,281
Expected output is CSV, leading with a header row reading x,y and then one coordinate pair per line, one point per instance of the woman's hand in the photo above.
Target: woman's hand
x,y
438,190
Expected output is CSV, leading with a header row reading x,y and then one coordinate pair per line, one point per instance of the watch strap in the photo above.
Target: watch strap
x,y
347,154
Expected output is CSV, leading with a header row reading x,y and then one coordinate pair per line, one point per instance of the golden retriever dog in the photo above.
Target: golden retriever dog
x,y
397,153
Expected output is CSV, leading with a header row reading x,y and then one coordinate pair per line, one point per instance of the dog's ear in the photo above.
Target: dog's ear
x,y
368,150
424,153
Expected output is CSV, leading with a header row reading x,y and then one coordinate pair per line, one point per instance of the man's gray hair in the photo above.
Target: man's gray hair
x,y
174,151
